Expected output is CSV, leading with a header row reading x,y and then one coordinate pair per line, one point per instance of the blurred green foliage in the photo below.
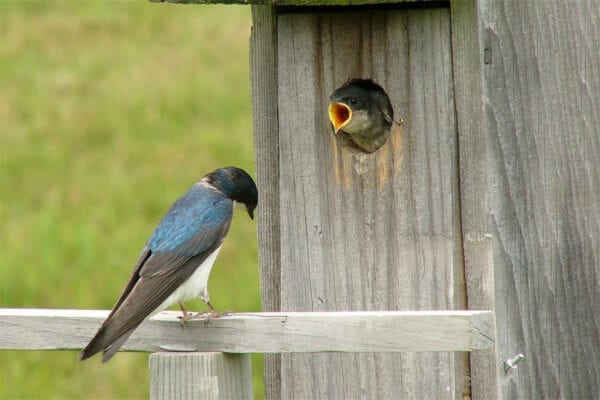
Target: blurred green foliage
x,y
108,112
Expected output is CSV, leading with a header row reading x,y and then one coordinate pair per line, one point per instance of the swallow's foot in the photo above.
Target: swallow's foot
x,y
200,315
214,314
186,316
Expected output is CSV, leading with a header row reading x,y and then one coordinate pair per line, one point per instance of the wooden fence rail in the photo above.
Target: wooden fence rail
x,y
181,368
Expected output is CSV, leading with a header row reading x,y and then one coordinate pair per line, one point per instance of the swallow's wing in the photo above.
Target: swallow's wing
x,y
159,278
194,227
383,104
133,280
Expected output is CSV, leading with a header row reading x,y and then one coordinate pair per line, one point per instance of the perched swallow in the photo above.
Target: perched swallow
x,y
175,263
361,114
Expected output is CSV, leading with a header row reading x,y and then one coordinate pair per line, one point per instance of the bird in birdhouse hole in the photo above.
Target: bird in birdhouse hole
x,y
177,259
361,114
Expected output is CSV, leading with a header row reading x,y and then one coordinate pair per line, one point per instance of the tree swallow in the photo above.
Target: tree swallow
x,y
175,263
361,114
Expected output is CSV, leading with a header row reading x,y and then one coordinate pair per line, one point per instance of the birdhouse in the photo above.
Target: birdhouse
x,y
348,231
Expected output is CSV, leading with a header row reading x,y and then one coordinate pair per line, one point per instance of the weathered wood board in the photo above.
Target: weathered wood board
x,y
263,67
367,232
380,331
475,239
541,77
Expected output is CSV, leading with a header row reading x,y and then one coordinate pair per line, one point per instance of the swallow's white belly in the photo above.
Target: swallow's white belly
x,y
195,286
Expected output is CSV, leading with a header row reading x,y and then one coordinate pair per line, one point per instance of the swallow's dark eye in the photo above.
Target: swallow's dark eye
x,y
353,100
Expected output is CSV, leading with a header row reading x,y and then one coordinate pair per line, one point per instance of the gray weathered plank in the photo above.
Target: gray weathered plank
x,y
467,60
367,232
381,331
207,376
266,147
542,102
263,69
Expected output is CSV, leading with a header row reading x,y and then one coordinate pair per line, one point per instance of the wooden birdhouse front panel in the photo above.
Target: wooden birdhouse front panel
x,y
368,231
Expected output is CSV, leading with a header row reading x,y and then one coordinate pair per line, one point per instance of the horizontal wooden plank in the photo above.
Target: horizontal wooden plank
x,y
280,332
296,2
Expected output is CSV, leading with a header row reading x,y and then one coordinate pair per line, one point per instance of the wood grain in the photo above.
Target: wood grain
x,y
266,147
208,376
367,232
380,331
476,242
541,97
263,69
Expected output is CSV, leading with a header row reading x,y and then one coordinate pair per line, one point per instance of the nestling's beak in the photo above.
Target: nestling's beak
x,y
339,115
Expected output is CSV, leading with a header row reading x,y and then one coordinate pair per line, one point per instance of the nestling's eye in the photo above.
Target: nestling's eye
x,y
353,100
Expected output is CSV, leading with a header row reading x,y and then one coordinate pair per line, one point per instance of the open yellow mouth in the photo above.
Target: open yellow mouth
x,y
339,115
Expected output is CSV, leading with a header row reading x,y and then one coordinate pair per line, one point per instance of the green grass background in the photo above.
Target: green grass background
x,y
108,112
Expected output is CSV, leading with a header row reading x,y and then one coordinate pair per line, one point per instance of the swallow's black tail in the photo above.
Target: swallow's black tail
x,y
112,349
94,346
98,344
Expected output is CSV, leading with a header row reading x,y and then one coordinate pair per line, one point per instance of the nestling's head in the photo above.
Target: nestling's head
x,y
351,103
362,109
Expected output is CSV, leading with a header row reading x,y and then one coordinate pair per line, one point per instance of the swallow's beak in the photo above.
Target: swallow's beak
x,y
251,213
339,115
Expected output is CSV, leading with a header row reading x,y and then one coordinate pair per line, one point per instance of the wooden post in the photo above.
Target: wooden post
x,y
191,376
